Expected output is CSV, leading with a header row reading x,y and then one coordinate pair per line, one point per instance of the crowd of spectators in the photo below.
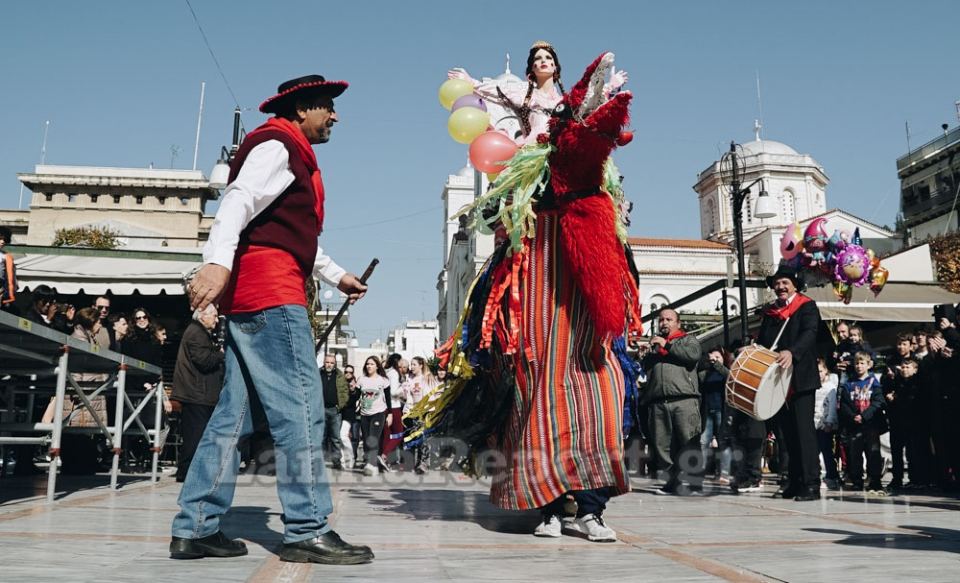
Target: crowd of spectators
x,y
885,421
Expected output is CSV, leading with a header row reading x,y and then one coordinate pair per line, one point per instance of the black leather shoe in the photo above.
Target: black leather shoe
x,y
786,492
807,495
328,548
215,545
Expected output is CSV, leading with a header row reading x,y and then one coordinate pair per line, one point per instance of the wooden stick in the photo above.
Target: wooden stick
x,y
343,308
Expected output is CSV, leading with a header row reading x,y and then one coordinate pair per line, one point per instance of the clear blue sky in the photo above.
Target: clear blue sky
x,y
119,82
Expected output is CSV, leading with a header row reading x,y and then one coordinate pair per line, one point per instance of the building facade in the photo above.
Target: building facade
x,y
464,249
796,181
146,207
929,183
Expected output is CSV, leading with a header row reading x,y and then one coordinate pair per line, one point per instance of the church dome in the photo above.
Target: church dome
x,y
757,147
508,77
466,171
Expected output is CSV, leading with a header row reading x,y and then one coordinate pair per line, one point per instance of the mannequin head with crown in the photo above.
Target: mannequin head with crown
x,y
543,65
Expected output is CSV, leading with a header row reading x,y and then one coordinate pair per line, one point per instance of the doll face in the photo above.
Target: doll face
x,y
544,65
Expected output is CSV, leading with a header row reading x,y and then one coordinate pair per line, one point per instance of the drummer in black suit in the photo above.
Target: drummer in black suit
x,y
797,352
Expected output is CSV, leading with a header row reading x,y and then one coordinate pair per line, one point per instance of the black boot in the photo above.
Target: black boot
x,y
808,494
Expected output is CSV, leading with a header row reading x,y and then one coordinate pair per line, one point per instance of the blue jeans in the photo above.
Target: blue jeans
x,y
711,426
331,437
270,352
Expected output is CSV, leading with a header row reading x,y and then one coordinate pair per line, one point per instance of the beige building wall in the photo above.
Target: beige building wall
x,y
147,207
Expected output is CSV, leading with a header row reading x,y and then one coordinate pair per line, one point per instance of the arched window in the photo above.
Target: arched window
x,y
710,218
788,206
658,301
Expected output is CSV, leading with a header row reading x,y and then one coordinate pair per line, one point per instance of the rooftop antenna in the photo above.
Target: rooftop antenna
x,y
758,123
509,73
43,147
43,157
957,105
196,143
906,126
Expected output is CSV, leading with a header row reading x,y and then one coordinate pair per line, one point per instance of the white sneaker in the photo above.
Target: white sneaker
x,y
550,527
382,462
593,527
370,470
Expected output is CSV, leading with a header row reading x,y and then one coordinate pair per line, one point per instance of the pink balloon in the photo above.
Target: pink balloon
x,y
792,242
490,150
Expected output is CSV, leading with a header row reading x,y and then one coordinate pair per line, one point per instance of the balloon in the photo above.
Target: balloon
x,y
624,138
492,176
843,290
466,124
852,266
856,237
490,150
792,242
836,242
469,100
874,260
815,242
878,279
453,89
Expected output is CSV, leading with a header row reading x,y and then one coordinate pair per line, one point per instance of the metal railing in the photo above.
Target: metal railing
x,y
948,139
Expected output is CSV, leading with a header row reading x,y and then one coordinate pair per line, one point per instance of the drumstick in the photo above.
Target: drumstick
x,y
777,340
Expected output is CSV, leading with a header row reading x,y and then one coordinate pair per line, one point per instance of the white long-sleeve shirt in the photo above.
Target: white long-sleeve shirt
x,y
264,176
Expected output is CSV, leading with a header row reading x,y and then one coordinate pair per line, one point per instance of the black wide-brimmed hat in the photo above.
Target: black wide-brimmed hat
x,y
791,273
313,84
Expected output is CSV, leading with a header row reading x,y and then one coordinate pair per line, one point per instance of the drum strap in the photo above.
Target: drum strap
x,y
779,334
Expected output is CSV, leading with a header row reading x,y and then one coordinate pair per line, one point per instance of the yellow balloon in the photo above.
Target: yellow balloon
x,y
492,176
467,123
452,90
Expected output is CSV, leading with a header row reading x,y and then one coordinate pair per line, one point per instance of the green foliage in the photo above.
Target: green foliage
x,y
93,237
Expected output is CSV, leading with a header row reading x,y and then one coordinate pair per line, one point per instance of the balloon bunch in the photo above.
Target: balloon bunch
x,y
469,123
839,257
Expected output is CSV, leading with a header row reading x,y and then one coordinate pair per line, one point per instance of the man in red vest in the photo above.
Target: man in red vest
x,y
262,249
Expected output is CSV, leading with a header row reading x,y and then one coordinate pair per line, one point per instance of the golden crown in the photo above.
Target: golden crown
x,y
541,44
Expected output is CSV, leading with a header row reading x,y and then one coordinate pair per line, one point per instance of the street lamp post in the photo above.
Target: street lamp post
x,y
221,171
732,165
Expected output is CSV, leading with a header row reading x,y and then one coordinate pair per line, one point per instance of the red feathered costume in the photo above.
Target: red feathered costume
x,y
550,312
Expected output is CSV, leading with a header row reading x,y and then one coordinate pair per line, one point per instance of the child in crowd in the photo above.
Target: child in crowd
x,y
855,342
899,394
825,420
861,423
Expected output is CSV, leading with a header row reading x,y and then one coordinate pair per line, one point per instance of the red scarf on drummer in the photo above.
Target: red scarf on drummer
x,y
784,312
307,155
670,338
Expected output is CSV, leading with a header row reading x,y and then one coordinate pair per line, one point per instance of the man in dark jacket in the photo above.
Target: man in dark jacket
x,y
798,317
672,397
335,397
197,381
43,310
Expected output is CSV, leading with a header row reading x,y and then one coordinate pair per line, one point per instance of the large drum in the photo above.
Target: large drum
x,y
757,385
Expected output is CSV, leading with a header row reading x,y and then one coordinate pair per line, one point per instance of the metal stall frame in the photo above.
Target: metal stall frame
x,y
57,349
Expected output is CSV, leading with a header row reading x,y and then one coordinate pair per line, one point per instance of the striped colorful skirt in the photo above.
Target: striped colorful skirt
x,y
563,432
